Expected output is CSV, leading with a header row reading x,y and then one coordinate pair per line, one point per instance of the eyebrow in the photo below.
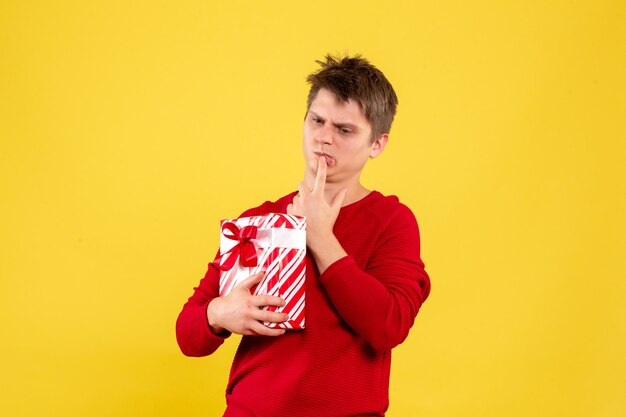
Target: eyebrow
x,y
350,125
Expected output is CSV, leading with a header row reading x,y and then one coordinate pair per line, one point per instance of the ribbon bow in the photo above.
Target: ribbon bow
x,y
244,249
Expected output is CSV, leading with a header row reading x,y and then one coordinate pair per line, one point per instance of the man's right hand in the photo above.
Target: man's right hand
x,y
239,311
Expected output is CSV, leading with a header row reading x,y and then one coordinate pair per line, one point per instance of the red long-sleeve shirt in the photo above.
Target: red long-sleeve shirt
x,y
361,307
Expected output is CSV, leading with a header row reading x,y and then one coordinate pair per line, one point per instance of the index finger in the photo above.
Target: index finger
x,y
320,177
263,300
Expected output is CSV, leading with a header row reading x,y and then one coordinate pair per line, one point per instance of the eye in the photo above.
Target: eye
x,y
346,131
317,121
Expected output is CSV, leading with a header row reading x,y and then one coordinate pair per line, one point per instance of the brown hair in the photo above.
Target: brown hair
x,y
355,78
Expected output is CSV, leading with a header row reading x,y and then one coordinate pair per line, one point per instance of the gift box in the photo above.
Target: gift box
x,y
274,243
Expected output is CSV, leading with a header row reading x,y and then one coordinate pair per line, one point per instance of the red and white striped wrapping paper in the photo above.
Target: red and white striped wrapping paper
x,y
281,250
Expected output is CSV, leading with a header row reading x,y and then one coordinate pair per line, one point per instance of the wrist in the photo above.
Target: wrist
x,y
326,252
318,241
210,314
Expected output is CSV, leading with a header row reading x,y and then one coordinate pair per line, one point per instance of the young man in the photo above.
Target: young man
x,y
365,281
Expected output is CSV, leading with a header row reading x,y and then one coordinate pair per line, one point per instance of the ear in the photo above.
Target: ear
x,y
378,146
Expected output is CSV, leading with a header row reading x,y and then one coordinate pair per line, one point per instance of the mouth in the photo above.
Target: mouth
x,y
330,161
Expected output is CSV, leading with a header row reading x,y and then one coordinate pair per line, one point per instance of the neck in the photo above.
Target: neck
x,y
356,190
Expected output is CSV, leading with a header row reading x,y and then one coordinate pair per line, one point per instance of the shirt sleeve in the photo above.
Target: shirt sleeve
x,y
380,303
194,336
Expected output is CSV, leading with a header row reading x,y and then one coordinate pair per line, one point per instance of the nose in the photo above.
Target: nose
x,y
325,135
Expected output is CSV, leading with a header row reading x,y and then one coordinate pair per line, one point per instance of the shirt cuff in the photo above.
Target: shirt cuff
x,y
225,334
335,269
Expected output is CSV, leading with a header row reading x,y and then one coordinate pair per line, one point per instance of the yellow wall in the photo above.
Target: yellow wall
x,y
121,124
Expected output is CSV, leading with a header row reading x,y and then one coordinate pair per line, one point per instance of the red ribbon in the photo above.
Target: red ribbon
x,y
244,249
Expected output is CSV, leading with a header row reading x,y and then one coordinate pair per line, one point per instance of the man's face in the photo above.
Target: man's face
x,y
340,132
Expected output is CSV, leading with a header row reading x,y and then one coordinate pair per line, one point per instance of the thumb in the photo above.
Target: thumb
x,y
249,282
339,199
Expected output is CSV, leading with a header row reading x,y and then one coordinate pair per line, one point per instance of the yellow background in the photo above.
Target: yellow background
x,y
128,129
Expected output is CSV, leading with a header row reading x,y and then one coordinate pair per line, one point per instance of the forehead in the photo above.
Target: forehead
x,y
326,104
